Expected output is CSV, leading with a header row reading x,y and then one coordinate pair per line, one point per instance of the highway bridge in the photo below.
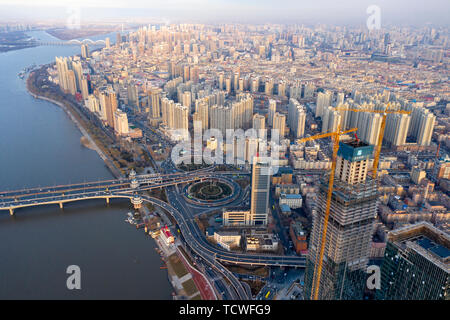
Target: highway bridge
x,y
73,42
132,188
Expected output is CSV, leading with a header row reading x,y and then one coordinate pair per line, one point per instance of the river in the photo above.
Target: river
x,y
39,146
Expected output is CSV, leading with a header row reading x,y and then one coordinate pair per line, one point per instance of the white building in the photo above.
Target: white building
x,y
294,201
227,240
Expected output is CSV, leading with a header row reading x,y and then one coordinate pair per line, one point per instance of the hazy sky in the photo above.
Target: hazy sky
x,y
253,11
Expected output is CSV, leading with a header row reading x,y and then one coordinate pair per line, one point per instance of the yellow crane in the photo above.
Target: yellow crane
x,y
319,257
336,137
376,159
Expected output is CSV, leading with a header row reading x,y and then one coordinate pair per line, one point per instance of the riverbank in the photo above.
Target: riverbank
x,y
81,126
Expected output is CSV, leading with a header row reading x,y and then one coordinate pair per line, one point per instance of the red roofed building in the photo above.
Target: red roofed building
x,y
167,236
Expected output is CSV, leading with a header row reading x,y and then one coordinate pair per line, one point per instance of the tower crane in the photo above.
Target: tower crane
x,y
336,137
381,135
319,257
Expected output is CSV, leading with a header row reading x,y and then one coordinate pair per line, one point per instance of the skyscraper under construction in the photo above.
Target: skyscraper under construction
x,y
350,225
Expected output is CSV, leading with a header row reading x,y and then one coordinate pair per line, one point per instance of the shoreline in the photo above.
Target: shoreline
x,y
108,162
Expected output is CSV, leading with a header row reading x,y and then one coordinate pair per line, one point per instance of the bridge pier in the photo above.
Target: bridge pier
x,y
60,205
11,211
107,200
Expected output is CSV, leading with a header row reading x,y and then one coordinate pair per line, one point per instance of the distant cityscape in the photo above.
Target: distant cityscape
x,y
268,162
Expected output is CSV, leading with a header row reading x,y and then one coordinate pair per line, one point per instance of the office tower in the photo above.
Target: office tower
x,y
155,102
272,111
84,51
397,126
349,233
259,209
416,264
279,123
296,118
120,123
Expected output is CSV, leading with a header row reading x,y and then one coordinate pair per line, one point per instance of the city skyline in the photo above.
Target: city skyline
x,y
305,159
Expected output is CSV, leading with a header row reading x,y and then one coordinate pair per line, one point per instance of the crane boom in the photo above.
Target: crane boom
x,y
325,135
319,256
377,153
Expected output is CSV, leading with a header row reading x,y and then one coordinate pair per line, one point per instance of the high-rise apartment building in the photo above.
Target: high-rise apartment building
x,y
120,123
331,119
111,107
397,126
416,264
63,69
323,101
296,118
422,124
154,99
350,226
84,51
259,124
279,123
202,109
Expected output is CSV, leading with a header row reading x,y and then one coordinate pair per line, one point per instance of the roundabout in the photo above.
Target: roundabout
x,y
211,192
